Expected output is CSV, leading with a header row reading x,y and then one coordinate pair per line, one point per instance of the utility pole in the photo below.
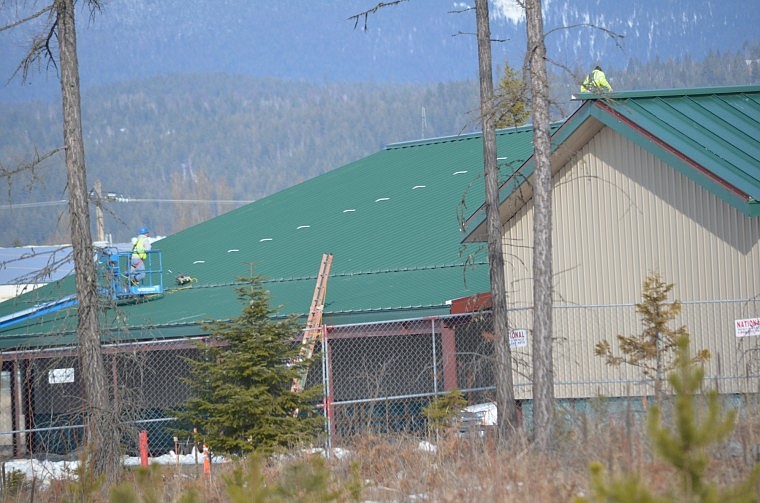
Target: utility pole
x,y
424,123
99,212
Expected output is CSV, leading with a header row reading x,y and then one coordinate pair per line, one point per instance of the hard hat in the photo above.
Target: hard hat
x,y
143,230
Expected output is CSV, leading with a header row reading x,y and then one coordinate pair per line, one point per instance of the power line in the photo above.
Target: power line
x,y
33,205
122,199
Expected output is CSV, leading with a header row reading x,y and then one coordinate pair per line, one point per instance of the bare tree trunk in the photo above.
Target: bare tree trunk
x,y
505,396
543,365
102,441
659,365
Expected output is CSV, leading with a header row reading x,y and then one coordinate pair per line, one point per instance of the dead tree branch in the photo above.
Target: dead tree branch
x,y
38,52
8,173
28,18
617,37
365,15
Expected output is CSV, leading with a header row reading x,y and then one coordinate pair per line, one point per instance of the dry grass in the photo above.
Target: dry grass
x,y
467,470
393,468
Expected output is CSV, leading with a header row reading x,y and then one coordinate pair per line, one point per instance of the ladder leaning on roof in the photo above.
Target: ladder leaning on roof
x,y
313,329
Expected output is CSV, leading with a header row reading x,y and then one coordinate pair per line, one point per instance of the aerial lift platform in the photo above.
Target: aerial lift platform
x,y
116,280
116,284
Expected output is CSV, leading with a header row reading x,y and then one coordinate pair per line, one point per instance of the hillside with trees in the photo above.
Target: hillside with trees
x,y
211,137
167,145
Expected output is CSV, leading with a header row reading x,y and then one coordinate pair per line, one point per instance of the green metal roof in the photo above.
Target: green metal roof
x,y
392,221
711,135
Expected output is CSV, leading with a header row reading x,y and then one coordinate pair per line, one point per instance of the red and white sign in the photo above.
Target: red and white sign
x,y
747,328
518,338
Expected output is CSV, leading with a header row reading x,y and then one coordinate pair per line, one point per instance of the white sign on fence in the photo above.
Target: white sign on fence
x,y
58,376
518,338
748,327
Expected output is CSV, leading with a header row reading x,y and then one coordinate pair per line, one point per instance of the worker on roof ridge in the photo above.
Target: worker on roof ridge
x,y
140,249
596,82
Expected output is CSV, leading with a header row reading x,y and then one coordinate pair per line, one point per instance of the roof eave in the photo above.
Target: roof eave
x,y
514,186
580,127
664,93
703,176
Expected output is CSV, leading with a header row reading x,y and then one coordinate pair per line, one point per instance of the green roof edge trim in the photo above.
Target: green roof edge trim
x,y
601,107
458,137
753,208
621,126
524,171
662,93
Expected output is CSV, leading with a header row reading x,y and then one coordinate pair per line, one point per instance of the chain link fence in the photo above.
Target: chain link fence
x,y
42,397
377,377
380,376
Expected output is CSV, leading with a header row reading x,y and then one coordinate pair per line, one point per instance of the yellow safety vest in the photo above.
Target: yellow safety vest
x,y
595,81
139,248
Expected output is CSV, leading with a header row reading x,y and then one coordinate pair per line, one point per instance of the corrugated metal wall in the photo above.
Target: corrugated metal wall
x,y
619,215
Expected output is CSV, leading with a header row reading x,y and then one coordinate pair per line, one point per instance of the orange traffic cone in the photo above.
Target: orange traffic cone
x,y
206,460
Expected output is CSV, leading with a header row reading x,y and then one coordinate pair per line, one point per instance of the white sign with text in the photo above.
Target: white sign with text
x,y
518,338
747,328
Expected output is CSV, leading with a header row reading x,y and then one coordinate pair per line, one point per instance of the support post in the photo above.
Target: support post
x,y
144,448
449,349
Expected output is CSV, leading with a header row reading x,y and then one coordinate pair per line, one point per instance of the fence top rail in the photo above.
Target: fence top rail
x,y
633,304
406,320
187,342
116,347
528,308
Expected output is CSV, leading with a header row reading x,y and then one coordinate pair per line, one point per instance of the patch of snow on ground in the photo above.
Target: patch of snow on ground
x,y
45,470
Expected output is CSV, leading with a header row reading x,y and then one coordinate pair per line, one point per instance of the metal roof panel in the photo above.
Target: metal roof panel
x,y
719,129
392,221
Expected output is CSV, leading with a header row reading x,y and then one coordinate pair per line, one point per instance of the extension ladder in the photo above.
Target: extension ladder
x,y
313,330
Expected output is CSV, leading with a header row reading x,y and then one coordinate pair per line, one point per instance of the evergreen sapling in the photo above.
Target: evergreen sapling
x,y
241,399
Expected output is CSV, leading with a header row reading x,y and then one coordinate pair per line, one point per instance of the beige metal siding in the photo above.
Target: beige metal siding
x,y
619,215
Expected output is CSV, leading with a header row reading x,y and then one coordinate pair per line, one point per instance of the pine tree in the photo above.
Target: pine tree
x,y
653,350
684,447
442,410
241,399
511,101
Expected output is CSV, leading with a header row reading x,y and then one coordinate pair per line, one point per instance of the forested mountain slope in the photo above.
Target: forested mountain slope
x,y
170,144
212,137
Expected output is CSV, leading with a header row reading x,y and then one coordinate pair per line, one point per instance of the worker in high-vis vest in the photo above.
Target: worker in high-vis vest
x,y
140,249
596,82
